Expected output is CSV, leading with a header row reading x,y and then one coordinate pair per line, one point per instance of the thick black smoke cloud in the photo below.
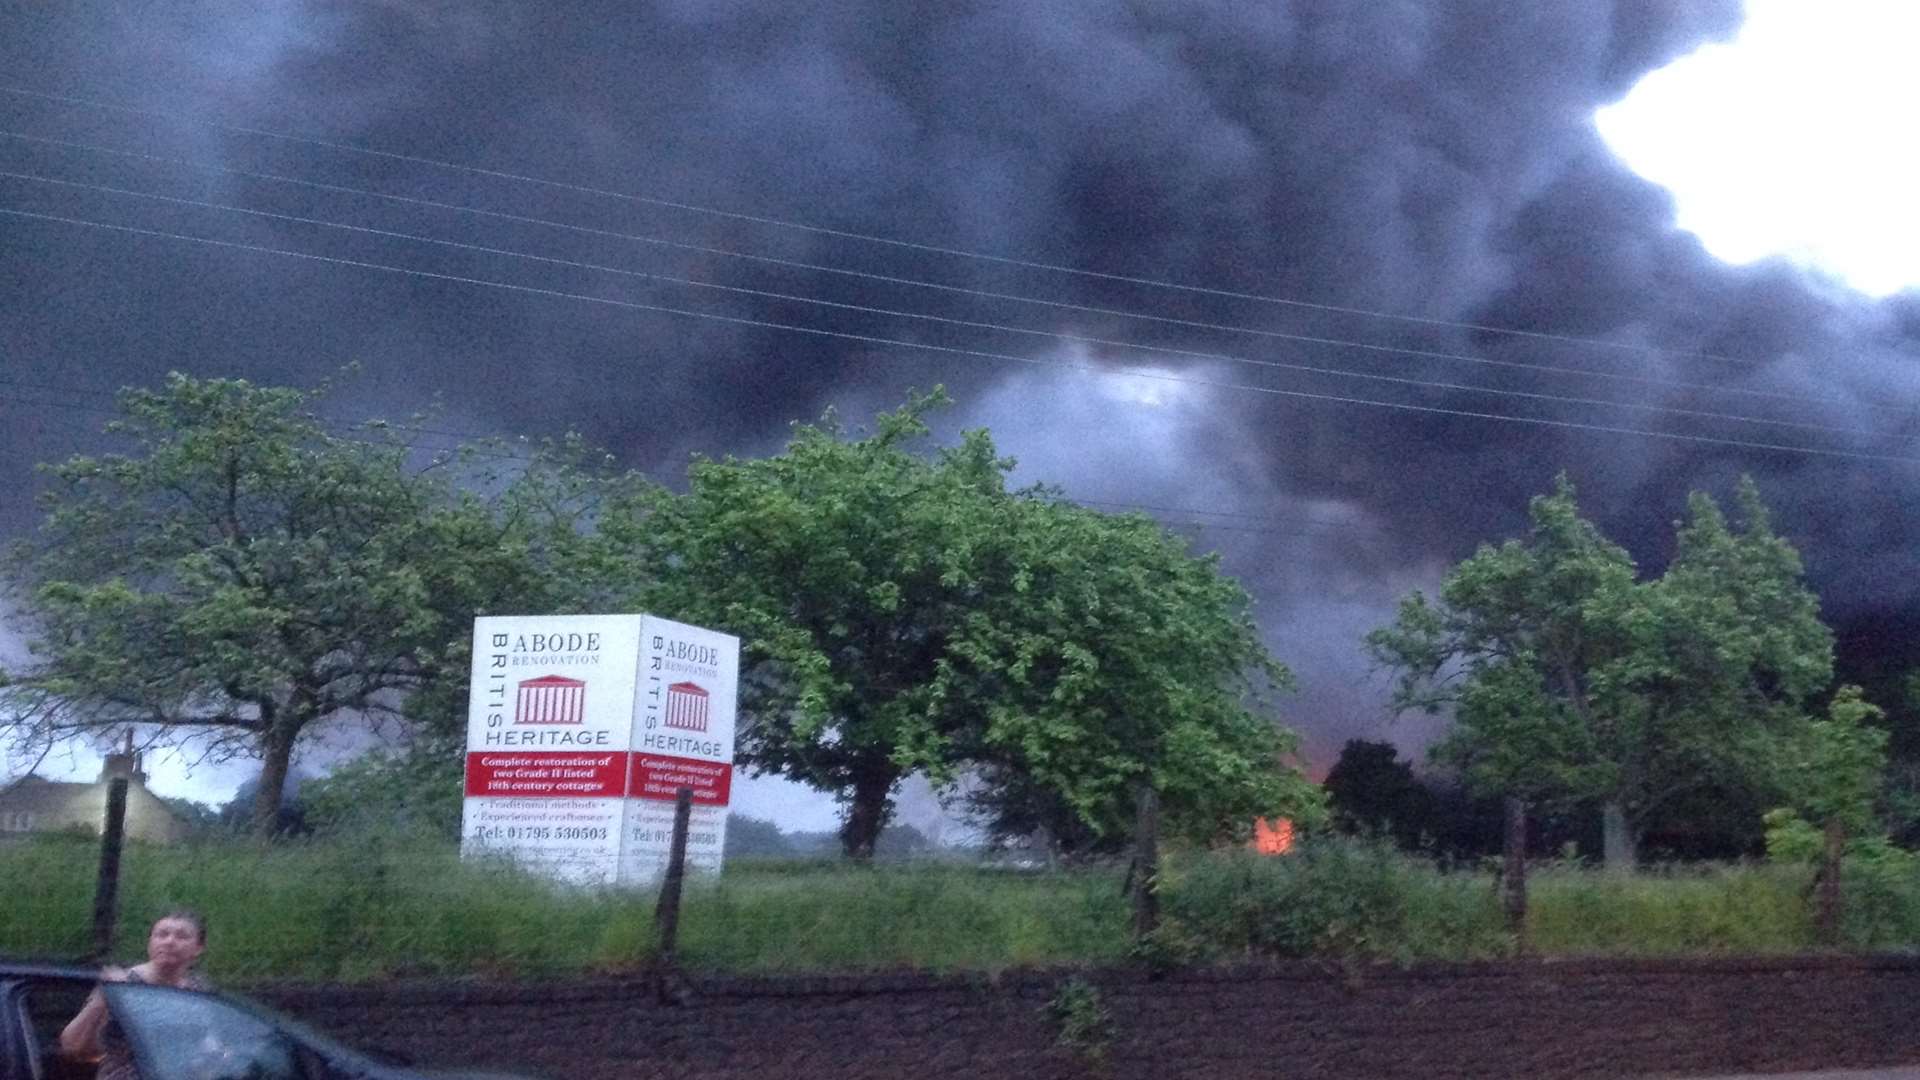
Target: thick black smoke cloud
x,y
1437,161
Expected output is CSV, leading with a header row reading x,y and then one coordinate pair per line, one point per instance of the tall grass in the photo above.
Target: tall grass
x,y
927,915
1744,908
378,906
374,907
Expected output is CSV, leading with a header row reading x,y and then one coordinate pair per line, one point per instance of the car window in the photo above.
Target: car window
x,y
50,1003
183,1035
21,1061
337,1056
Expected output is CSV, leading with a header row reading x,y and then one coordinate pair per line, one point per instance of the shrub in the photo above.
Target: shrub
x,y
1330,896
1086,1027
1879,882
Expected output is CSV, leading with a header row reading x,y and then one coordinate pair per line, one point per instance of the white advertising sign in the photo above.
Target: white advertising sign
x,y
683,720
580,730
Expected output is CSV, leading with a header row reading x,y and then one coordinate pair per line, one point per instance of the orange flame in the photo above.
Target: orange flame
x,y
1272,837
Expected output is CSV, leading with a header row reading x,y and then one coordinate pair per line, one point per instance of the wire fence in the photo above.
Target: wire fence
x,y
388,905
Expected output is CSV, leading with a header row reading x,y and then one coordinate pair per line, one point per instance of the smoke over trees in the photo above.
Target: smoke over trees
x,y
1428,175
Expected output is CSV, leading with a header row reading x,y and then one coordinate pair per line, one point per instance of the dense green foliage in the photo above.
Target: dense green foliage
x,y
903,612
242,574
1330,897
1569,679
416,788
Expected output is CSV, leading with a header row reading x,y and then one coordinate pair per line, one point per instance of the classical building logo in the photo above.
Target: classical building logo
x,y
686,707
551,699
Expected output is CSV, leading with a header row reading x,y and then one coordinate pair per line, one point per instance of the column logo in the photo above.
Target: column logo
x,y
686,707
551,699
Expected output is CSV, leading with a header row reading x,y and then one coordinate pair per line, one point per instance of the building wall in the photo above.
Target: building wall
x,y
34,805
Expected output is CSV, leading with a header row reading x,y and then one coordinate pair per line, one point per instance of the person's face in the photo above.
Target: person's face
x,y
174,943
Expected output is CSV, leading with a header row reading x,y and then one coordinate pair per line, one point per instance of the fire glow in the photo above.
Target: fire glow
x,y
1272,837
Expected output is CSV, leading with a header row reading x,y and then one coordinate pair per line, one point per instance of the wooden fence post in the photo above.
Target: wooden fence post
x,y
106,889
666,913
1146,881
1513,872
1830,896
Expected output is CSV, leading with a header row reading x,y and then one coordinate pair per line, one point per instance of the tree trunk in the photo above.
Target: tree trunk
x,y
276,758
869,811
1618,844
1513,872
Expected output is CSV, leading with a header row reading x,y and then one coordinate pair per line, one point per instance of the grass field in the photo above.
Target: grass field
x,y
383,906
379,907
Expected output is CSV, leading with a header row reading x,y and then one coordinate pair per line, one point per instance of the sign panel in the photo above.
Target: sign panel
x,y
580,730
683,728
547,733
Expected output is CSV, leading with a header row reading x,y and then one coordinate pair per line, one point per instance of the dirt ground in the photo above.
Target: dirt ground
x,y
1536,1020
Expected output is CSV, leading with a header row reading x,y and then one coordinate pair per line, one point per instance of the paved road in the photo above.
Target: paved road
x,y
1904,1072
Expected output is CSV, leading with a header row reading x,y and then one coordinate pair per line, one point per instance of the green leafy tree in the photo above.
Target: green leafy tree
x,y
1726,647
1512,648
417,787
1013,810
199,818
906,612
1832,769
1569,679
1113,658
751,837
1829,774
242,575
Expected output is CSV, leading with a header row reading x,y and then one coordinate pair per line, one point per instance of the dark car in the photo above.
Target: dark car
x,y
175,1034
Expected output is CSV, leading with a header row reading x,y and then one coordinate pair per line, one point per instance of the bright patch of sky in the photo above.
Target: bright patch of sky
x,y
176,774
1794,139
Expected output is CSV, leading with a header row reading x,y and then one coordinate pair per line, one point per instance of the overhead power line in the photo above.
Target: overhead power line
x,y
783,223
1323,523
874,339
1314,369
987,294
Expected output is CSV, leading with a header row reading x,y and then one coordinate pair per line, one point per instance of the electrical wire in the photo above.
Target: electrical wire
x,y
783,223
874,339
973,324
1058,305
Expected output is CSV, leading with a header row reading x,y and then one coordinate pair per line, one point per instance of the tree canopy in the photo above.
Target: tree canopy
x,y
242,574
1114,657
1569,678
908,612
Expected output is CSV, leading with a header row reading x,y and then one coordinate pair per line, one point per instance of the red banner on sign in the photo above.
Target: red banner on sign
x,y
546,774
657,776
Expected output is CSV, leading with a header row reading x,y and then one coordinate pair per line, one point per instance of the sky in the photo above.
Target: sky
x,y
1782,141
1331,288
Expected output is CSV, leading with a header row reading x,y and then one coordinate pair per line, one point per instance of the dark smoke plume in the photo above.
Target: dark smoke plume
x,y
1435,161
